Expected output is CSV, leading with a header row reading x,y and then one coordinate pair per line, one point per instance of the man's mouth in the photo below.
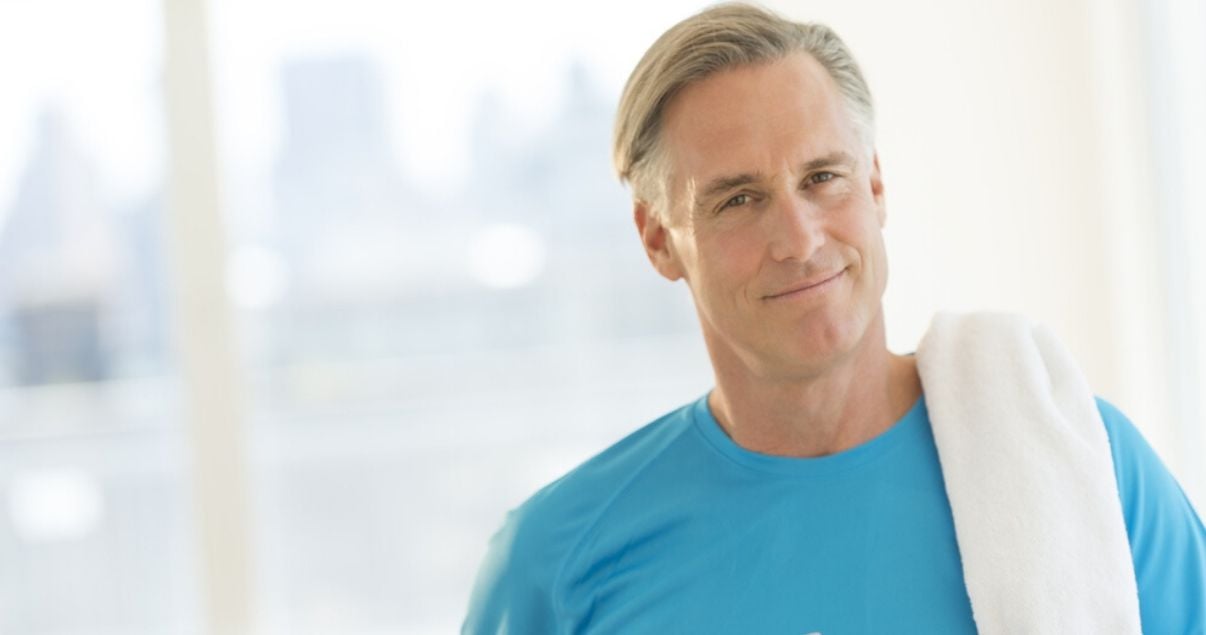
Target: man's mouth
x,y
808,286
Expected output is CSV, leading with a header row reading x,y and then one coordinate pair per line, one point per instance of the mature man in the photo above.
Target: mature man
x,y
826,484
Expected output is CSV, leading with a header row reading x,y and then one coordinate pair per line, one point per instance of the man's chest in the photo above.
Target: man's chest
x,y
877,559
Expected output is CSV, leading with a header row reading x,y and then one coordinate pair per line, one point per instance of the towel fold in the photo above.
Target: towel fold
x,y
1028,471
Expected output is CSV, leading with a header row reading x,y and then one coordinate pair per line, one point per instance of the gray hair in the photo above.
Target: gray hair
x,y
718,38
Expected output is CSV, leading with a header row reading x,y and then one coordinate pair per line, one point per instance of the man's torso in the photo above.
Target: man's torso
x,y
677,529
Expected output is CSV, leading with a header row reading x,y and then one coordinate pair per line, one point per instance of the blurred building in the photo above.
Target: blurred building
x,y
81,289
377,268
60,253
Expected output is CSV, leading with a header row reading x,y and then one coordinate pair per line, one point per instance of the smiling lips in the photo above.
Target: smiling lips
x,y
806,288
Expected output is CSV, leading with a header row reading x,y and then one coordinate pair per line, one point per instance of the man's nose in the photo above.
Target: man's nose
x,y
794,228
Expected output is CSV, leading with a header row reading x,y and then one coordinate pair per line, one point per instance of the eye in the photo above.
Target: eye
x,y
736,201
821,177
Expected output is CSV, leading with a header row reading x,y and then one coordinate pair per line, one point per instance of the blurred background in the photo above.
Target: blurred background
x,y
298,298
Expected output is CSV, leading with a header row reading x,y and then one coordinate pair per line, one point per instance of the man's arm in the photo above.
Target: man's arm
x,y
1168,541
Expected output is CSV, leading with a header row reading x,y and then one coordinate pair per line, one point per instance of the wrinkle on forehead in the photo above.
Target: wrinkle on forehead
x,y
753,120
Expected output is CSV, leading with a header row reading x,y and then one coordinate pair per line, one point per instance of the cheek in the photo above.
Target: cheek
x,y
742,253
863,235
728,264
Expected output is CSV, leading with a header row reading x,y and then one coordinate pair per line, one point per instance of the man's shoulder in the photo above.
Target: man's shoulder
x,y
1132,455
588,489
1145,484
1167,538
553,519
519,578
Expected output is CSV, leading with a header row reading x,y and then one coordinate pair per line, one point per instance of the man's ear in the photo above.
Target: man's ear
x,y
877,190
656,238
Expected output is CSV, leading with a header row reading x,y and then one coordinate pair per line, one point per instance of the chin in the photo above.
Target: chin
x,y
825,341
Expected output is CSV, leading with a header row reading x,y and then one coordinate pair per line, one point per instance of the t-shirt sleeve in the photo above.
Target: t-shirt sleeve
x,y
1168,541
513,592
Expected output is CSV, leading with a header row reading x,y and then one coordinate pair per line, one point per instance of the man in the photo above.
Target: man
x,y
806,492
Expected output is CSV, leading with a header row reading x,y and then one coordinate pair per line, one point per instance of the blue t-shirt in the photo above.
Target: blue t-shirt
x,y
677,529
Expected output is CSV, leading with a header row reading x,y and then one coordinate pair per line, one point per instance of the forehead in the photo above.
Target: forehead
x,y
753,118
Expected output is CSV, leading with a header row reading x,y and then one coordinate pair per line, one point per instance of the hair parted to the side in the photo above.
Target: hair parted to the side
x,y
721,37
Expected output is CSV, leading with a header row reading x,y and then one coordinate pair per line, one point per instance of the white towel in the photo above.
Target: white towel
x,y
1030,478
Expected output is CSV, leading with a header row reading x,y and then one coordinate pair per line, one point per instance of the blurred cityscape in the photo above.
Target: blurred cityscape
x,y
355,260
402,346
81,286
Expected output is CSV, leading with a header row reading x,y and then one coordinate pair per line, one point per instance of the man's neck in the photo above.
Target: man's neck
x,y
847,404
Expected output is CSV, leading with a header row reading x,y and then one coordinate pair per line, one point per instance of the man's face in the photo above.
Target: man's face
x,y
774,217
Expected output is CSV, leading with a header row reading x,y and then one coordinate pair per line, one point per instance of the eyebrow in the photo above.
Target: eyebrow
x,y
725,183
833,158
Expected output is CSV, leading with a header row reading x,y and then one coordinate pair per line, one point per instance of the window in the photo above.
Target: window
x,y
1176,38
435,273
96,527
